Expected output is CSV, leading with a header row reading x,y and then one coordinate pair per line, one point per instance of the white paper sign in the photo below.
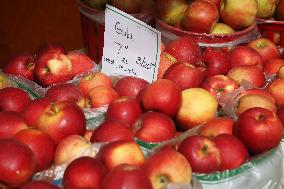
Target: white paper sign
x,y
131,47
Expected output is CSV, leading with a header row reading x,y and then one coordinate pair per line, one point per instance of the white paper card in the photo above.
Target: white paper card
x,y
131,47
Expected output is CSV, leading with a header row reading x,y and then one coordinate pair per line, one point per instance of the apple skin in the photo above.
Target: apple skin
x,y
154,127
272,66
185,75
168,101
276,89
280,114
10,123
91,174
200,16
166,60
280,10
13,99
252,74
33,110
215,61
170,11
65,92
219,85
112,130
233,152
245,55
121,152
126,176
125,109
167,166
259,129
130,86
21,65
52,68
49,47
258,91
266,8
238,14
70,148
128,6
217,126
222,29
41,144
266,48
17,163
185,49
202,153
61,119
40,184
93,80
248,101
100,96
81,63
198,106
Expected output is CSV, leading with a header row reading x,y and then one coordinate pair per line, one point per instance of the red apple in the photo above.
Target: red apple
x,y
154,127
100,96
130,86
40,184
121,152
200,16
185,75
13,99
245,55
217,126
20,65
11,123
41,144
81,63
202,153
112,130
266,8
259,129
280,114
238,14
128,6
65,92
168,101
272,66
252,74
49,47
185,49
125,109
52,68
219,85
93,80
166,61
34,109
216,2
276,89
233,152
61,119
215,61
280,10
84,172
258,91
167,166
70,148
17,163
266,48
170,11
126,176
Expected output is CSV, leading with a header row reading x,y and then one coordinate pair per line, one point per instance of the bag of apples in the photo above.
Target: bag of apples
x,y
212,23
92,19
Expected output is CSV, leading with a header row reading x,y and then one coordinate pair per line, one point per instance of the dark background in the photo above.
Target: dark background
x,y
26,24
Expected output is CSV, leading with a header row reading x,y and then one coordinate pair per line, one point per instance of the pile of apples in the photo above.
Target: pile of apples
x,y
208,16
273,10
49,65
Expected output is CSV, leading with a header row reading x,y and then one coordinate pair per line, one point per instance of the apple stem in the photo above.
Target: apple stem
x,y
204,149
163,180
260,117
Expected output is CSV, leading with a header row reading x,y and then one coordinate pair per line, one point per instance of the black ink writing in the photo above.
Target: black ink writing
x,y
122,31
141,61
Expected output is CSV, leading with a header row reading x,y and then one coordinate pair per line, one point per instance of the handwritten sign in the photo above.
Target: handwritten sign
x,y
131,47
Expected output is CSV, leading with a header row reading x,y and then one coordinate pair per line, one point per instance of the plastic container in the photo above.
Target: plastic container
x,y
273,30
92,23
170,33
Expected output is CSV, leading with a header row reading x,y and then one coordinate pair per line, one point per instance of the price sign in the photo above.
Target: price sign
x,y
131,47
